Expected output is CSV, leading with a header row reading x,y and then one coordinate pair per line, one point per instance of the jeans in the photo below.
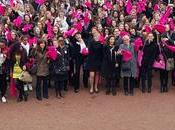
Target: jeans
x,y
41,79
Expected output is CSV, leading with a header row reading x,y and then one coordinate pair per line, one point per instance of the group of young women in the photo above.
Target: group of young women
x,y
65,43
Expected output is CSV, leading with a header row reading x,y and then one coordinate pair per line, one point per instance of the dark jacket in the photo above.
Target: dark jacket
x,y
150,52
95,56
61,64
111,62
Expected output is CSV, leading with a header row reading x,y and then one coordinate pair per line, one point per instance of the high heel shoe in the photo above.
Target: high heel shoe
x,y
91,91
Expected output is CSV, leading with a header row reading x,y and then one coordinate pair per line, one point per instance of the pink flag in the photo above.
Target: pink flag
x,y
165,16
128,6
127,55
18,21
70,32
171,48
108,21
2,10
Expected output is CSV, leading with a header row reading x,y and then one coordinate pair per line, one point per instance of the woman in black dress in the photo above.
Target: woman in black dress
x,y
94,61
111,65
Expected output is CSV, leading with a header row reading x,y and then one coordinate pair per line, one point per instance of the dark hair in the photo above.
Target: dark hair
x,y
108,39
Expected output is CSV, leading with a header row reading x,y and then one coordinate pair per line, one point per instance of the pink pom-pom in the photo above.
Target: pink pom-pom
x,y
148,29
32,40
52,53
85,51
18,21
156,7
123,33
127,55
88,4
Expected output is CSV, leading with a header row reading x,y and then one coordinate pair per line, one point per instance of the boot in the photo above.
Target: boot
x,y
108,91
114,91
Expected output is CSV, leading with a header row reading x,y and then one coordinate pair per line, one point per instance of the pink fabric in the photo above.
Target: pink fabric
x,y
172,24
127,55
123,33
172,48
52,53
88,4
156,7
2,10
159,64
159,27
137,44
165,16
40,2
78,26
12,88
8,35
139,58
70,32
129,6
108,21
101,39
85,51
32,40
148,29
12,3
141,6
18,21
50,30
27,27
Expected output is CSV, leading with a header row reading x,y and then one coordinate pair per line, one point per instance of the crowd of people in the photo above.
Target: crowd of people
x,y
64,40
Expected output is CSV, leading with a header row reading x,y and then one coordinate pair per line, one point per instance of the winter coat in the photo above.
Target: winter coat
x,y
129,69
111,62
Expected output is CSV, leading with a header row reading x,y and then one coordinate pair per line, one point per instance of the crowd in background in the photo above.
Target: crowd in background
x,y
64,40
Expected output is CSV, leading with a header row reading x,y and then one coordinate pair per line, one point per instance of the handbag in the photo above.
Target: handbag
x,y
159,64
170,64
33,70
25,77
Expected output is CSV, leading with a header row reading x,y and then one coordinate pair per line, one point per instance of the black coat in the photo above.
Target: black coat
x,y
111,62
95,57
61,64
150,52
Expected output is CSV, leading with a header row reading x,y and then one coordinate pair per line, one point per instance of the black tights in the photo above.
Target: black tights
x,y
128,84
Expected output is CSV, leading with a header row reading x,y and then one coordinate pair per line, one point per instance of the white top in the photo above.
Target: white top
x,y
82,45
26,47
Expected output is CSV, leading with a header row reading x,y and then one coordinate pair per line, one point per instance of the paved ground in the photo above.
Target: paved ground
x,y
83,111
